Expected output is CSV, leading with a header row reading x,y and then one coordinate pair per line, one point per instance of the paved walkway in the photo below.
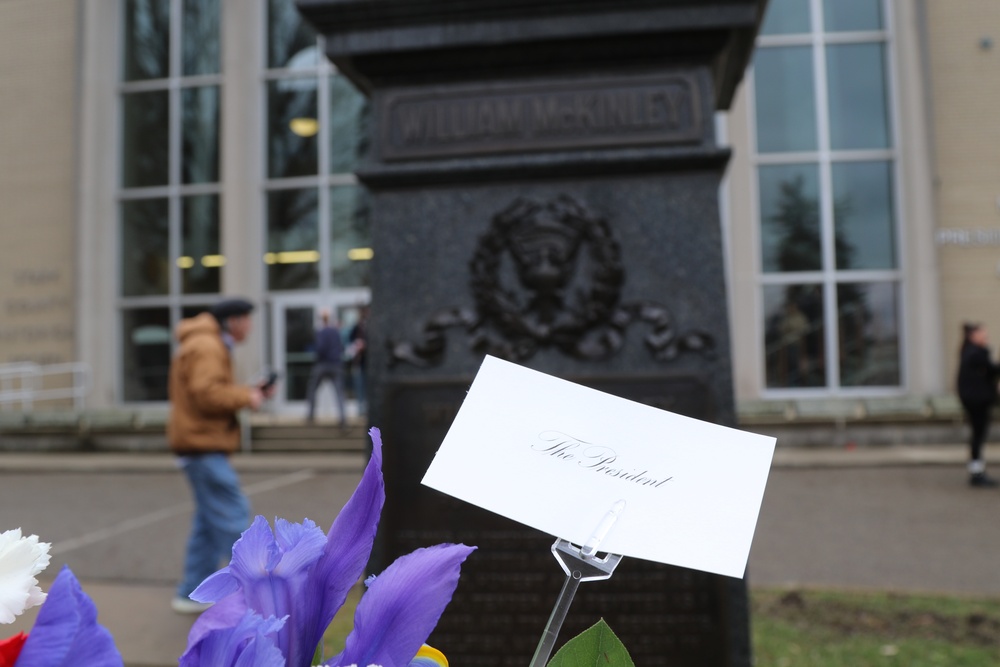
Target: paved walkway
x,y
898,518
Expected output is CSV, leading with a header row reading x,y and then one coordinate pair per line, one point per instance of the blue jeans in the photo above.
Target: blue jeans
x,y
221,515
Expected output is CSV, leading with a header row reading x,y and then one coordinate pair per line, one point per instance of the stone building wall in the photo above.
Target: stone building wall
x,y
964,56
38,54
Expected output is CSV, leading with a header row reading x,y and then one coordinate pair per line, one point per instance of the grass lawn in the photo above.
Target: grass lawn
x,y
852,629
814,628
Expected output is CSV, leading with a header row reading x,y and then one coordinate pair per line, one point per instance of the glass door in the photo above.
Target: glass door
x,y
294,322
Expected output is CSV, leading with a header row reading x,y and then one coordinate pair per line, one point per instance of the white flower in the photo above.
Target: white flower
x,y
21,558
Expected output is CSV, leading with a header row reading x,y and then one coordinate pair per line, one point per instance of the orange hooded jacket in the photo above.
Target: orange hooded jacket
x,y
203,397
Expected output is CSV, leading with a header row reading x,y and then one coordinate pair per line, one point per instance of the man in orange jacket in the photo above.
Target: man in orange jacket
x,y
203,430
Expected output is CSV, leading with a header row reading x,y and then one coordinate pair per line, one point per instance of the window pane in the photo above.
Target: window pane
x,y
348,115
145,139
200,51
869,334
200,134
291,41
145,354
793,336
147,39
350,241
191,311
862,212
144,239
857,94
300,352
848,15
789,218
293,128
786,16
786,110
292,239
200,261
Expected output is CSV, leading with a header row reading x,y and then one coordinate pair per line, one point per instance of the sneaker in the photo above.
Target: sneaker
x,y
188,606
982,480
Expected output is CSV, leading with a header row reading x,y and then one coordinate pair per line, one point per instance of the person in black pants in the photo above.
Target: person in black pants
x,y
977,390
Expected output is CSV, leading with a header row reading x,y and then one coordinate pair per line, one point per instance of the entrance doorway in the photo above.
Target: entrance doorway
x,y
294,320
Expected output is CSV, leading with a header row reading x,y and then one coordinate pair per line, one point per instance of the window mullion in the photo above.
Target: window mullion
x,y
174,153
324,221
826,204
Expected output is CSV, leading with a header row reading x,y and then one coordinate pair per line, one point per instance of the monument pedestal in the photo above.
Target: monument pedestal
x,y
544,179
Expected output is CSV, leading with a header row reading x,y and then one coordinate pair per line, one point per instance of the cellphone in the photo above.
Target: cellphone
x,y
269,382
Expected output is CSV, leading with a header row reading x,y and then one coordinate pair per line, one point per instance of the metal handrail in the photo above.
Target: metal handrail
x,y
24,383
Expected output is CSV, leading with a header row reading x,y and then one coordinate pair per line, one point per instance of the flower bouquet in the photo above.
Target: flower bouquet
x,y
275,600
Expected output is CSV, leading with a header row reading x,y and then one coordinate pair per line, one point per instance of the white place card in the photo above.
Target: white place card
x,y
558,457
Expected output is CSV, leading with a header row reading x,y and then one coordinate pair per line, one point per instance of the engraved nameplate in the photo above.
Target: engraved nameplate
x,y
633,111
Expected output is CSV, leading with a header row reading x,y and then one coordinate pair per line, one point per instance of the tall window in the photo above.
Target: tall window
x,y
169,182
316,213
825,162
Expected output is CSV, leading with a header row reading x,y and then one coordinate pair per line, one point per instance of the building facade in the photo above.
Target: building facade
x,y
156,154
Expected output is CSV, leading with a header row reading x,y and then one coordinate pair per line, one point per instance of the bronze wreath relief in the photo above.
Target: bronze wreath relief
x,y
548,275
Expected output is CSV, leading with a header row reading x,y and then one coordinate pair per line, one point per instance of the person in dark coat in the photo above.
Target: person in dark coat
x,y
977,390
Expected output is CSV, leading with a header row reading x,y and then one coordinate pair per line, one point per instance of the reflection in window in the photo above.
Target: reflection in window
x,y
292,239
144,242
857,95
291,41
292,127
786,16
350,242
789,214
348,125
869,334
863,215
200,134
146,340
200,261
145,139
190,311
852,15
147,40
794,336
786,112
300,353
200,33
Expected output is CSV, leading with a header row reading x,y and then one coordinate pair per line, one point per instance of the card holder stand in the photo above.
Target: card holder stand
x,y
580,564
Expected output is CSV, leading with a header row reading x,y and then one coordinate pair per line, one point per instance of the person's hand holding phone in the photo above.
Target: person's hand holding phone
x,y
268,386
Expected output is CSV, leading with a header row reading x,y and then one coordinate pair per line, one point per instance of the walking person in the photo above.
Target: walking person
x,y
203,431
977,390
328,366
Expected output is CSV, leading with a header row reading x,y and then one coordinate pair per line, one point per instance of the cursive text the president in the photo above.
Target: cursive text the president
x,y
594,458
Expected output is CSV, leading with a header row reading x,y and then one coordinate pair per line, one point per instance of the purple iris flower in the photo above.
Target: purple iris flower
x,y
297,573
250,643
66,631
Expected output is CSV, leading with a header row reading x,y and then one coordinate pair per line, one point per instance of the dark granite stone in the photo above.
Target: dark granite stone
x,y
544,180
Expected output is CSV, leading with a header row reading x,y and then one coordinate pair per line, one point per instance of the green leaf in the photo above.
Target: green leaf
x,y
595,647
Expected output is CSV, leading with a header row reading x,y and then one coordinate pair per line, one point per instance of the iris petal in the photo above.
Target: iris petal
x,y
223,614
402,606
349,543
301,545
66,631
249,643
